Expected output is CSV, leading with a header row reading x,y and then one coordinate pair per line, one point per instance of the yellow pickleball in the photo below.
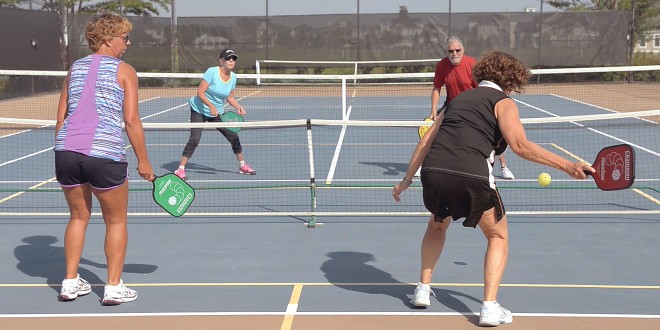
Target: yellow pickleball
x,y
544,179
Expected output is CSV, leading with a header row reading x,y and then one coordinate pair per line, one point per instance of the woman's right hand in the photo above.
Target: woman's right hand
x,y
577,170
399,188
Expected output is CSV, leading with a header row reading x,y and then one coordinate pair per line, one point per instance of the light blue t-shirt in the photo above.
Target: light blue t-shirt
x,y
216,93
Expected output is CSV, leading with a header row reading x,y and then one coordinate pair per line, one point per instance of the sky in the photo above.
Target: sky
x,y
191,8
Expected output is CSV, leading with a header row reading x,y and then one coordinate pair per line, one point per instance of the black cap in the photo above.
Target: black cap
x,y
228,52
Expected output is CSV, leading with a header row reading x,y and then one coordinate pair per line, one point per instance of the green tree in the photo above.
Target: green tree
x,y
68,9
645,16
647,12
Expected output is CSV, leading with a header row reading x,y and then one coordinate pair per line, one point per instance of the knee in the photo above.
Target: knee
x,y
438,225
497,236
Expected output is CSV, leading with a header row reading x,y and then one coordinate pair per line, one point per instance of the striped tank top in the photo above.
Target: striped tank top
x,y
93,126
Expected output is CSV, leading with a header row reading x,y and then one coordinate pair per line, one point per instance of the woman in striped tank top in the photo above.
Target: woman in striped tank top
x,y
99,94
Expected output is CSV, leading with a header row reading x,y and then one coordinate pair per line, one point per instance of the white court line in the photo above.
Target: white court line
x,y
641,193
181,105
162,112
594,130
421,314
41,183
593,105
335,157
26,156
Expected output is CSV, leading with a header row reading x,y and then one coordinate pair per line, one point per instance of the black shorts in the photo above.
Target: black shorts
x,y
74,169
459,197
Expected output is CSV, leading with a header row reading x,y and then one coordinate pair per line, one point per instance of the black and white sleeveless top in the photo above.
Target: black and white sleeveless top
x,y
468,135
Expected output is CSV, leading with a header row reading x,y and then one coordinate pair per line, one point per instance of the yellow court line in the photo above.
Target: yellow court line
x,y
292,308
643,194
569,153
649,197
22,192
295,296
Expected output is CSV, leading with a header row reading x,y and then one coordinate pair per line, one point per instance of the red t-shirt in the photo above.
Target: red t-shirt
x,y
456,78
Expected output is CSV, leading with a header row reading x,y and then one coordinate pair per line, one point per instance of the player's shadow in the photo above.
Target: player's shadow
x,y
390,168
195,168
39,258
349,269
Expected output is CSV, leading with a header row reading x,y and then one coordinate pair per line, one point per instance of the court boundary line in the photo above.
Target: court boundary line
x,y
592,129
325,214
339,284
593,105
335,156
419,313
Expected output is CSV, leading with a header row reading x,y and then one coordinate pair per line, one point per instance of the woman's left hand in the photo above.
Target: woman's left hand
x,y
241,111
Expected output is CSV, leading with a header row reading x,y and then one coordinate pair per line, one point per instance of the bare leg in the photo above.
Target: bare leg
x,y
497,234
183,161
79,200
432,244
239,157
114,204
502,161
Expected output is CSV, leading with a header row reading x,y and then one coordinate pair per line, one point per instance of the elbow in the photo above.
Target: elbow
x,y
519,147
132,122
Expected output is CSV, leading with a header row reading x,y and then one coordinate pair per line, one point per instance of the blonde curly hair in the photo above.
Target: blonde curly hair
x,y
506,71
105,27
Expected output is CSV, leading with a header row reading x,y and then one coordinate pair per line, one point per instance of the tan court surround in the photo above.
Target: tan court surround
x,y
324,323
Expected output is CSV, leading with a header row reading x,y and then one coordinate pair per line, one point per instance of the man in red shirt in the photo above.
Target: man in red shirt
x,y
455,73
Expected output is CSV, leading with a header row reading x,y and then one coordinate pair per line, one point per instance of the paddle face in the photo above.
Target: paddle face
x,y
173,194
615,167
230,117
423,129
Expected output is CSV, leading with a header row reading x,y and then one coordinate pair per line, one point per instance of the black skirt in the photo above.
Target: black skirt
x,y
459,197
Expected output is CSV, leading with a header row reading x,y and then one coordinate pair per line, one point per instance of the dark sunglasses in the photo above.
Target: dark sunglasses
x,y
124,38
231,58
454,51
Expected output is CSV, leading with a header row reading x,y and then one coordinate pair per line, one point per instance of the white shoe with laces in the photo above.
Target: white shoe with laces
x,y
422,296
494,315
117,294
73,288
507,174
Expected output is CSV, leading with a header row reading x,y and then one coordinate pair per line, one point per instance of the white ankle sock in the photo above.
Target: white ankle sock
x,y
181,167
121,282
241,162
490,303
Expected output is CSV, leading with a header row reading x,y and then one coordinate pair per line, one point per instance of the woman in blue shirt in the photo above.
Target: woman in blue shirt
x,y
216,88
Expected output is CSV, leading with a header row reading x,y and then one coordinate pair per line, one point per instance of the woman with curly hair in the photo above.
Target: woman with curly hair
x,y
457,174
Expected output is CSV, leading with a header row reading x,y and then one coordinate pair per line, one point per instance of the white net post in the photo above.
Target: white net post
x,y
258,71
344,112
312,175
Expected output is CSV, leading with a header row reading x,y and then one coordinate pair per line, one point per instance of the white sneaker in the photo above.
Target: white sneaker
x,y
72,288
117,294
494,316
507,174
422,296
419,172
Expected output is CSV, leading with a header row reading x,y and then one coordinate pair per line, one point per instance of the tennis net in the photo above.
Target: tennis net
x,y
363,131
321,167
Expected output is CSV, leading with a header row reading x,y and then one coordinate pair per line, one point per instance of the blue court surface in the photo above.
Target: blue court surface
x,y
574,250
